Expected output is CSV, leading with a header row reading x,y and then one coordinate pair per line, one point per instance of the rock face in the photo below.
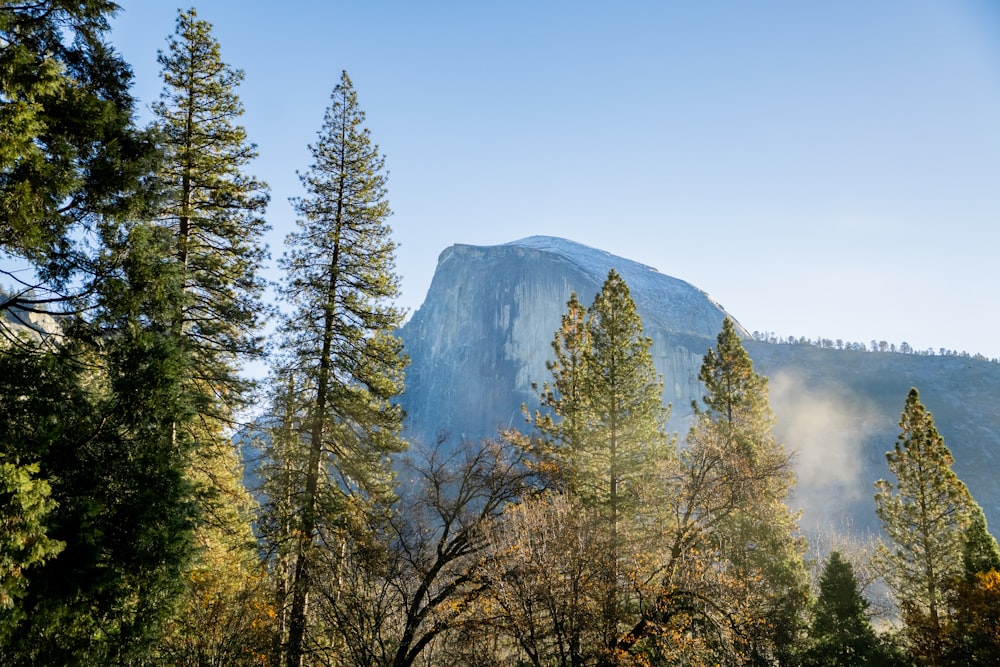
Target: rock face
x,y
17,322
484,334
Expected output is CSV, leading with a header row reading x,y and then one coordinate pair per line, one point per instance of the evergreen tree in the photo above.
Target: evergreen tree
x,y
756,533
980,552
92,407
212,210
840,634
563,418
625,436
99,425
604,439
925,515
973,636
339,347
605,425
70,156
24,505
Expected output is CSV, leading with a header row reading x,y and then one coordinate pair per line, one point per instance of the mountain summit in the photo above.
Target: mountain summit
x,y
484,331
483,335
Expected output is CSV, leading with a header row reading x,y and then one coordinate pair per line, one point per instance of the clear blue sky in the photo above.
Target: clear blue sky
x,y
820,168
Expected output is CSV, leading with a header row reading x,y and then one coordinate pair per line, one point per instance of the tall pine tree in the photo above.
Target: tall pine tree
x,y
339,352
99,425
925,514
757,534
604,439
212,211
605,419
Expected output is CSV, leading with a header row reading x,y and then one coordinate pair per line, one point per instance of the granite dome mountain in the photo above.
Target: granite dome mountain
x,y
484,332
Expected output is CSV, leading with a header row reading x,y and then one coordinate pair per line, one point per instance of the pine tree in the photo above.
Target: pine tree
x,y
213,211
980,552
973,636
625,436
840,633
338,345
604,438
562,419
756,533
93,406
925,515
25,503
605,423
99,426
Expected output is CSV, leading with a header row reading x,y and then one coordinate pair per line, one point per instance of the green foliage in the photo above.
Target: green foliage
x,y
96,416
752,526
980,552
605,423
972,637
840,633
925,515
212,211
70,157
603,439
24,506
339,355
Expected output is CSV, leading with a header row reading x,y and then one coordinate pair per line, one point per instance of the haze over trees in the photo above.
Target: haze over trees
x,y
591,538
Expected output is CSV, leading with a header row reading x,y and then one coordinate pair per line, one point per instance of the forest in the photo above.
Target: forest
x,y
130,533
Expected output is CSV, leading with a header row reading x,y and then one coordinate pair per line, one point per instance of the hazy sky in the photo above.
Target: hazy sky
x,y
821,168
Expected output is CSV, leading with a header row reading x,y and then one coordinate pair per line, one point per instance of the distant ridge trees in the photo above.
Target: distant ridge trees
x,y
874,346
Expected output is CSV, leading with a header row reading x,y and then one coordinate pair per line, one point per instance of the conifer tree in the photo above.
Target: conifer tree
x,y
99,426
93,406
213,211
605,441
980,552
973,636
625,436
563,417
840,634
925,514
339,346
757,534
24,505
71,158
606,421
